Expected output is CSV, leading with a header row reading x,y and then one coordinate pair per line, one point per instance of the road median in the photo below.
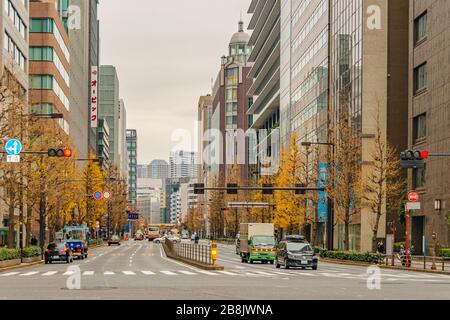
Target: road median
x,y
193,254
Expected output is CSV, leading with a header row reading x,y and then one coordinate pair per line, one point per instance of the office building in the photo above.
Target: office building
x,y
109,109
131,142
429,102
265,72
159,169
49,62
183,164
230,105
103,143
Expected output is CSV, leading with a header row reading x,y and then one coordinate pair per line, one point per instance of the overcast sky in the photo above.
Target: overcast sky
x,y
166,53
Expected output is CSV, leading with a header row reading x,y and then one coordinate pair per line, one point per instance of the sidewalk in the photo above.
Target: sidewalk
x,y
22,265
398,266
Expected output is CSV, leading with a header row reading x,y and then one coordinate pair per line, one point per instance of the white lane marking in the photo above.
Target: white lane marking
x,y
108,273
282,273
148,273
129,273
169,273
50,273
187,273
251,274
265,273
68,273
29,273
209,273
9,274
229,273
88,273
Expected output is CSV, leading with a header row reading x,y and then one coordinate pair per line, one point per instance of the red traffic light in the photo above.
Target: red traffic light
x,y
67,153
424,154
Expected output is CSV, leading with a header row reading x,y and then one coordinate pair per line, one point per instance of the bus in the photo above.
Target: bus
x,y
157,230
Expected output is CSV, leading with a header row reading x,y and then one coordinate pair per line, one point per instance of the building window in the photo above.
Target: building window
x,y
419,127
419,178
232,77
420,27
420,78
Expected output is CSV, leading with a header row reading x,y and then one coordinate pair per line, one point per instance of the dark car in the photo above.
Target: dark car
x,y
114,240
297,253
58,251
79,248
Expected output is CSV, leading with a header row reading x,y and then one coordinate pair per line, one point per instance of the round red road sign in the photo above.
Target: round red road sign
x,y
413,197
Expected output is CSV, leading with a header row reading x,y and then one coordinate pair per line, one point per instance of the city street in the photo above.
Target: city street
x,y
140,270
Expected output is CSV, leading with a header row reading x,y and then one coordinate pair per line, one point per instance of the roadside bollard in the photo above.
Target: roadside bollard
x,y
214,252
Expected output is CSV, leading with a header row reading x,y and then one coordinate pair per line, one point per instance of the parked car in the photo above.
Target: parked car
x,y
114,240
58,251
295,252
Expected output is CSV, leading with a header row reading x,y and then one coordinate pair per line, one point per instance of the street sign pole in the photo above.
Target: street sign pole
x,y
407,236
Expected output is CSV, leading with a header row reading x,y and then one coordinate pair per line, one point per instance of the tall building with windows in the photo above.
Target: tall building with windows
x,y
131,142
158,169
368,68
264,109
103,143
84,47
183,164
109,109
14,35
230,105
14,21
49,61
429,102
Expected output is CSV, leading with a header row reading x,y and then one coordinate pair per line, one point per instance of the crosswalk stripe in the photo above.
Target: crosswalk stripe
x,y
88,273
187,273
50,273
307,274
68,273
282,273
129,273
169,273
209,273
108,273
9,274
229,273
148,273
251,274
29,273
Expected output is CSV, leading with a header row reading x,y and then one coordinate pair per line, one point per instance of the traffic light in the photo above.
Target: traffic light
x,y
413,159
300,191
267,191
199,188
232,188
60,153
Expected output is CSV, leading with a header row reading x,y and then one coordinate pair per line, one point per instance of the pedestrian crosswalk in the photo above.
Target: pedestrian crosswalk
x,y
237,272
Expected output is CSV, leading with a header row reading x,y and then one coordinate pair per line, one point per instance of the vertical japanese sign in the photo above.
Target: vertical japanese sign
x,y
94,97
322,205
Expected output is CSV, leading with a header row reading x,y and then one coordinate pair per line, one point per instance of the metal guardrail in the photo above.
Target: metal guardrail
x,y
190,251
421,262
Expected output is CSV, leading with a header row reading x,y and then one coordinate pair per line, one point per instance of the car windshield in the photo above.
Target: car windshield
x,y
263,241
114,237
54,246
298,247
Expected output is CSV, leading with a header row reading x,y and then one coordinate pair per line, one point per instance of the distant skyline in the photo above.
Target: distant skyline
x,y
160,89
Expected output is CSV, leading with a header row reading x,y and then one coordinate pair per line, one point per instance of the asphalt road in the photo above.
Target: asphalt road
x,y
140,270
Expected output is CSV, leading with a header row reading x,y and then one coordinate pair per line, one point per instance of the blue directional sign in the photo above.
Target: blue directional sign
x,y
133,216
13,147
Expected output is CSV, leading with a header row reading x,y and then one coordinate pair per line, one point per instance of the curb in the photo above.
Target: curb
x,y
20,266
193,263
361,264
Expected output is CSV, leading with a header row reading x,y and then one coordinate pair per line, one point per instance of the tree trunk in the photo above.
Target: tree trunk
x,y
28,225
347,235
11,225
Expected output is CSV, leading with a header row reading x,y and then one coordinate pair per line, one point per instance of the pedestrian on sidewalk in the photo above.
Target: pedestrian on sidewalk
x,y
196,238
